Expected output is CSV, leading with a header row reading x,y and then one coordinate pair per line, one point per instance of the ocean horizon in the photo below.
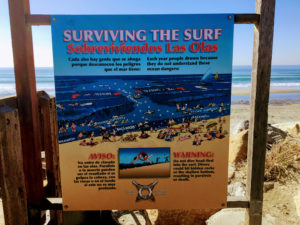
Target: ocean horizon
x,y
282,77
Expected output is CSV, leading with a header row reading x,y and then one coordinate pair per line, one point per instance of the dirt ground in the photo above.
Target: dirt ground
x,y
279,201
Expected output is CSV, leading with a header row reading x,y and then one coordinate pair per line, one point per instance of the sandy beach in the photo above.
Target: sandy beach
x,y
152,140
157,170
280,111
277,114
272,91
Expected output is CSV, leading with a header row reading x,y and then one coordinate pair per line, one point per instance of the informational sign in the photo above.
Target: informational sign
x,y
143,106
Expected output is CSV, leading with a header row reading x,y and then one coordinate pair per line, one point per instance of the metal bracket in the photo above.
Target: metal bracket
x,y
140,189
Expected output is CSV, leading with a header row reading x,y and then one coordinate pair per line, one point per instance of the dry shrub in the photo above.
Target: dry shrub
x,y
281,161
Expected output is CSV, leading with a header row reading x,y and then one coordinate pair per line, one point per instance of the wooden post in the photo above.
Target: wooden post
x,y
10,101
27,105
11,168
261,71
49,133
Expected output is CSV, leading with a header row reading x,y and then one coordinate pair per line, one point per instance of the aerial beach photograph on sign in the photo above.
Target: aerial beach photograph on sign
x,y
144,162
113,108
150,112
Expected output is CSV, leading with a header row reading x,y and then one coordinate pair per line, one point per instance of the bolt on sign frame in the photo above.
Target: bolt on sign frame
x,y
31,116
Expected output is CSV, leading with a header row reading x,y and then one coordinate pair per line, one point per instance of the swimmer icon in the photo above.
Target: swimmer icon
x,y
148,188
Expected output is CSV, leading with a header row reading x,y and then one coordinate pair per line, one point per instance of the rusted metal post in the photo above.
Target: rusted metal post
x,y
27,105
260,88
11,168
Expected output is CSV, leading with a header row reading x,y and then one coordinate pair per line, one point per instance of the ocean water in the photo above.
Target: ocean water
x,y
44,81
283,77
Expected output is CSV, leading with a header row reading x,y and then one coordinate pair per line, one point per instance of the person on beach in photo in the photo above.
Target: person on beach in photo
x,y
92,142
169,136
184,137
61,130
202,123
105,137
220,120
220,129
102,130
178,107
183,108
220,108
114,134
193,130
144,135
142,156
129,138
161,134
182,129
149,112
83,143
92,134
224,120
137,96
65,130
90,124
188,124
80,135
171,122
213,133
208,134
200,129
157,160
146,125
219,135
60,106
215,129
197,140
140,125
174,133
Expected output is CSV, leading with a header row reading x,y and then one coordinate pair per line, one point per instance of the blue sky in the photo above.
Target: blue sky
x,y
126,155
286,49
